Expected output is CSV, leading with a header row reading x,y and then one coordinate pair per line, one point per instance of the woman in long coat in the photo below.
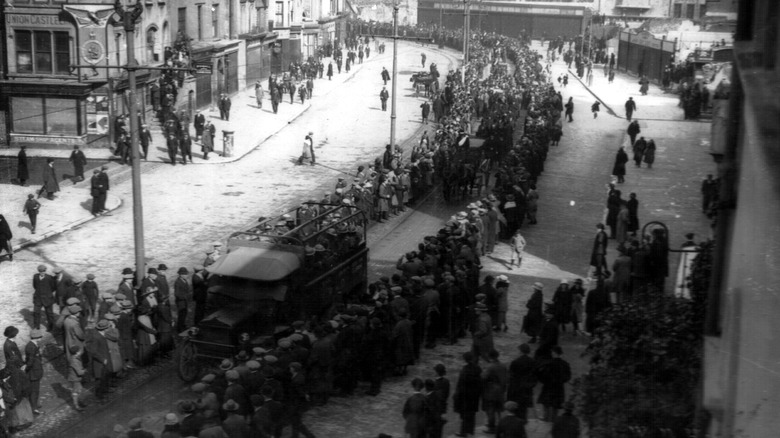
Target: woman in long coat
x,y
619,169
50,184
623,223
650,153
533,319
145,337
22,170
20,415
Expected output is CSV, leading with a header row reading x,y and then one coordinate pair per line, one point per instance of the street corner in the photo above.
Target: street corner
x,y
77,212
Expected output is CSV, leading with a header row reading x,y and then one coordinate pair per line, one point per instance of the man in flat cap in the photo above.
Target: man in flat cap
x,y
182,291
163,289
33,366
99,355
43,296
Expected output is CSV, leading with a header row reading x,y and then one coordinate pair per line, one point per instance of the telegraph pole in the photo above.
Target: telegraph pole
x,y
395,74
466,20
129,18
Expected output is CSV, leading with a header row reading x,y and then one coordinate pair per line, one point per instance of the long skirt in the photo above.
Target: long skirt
x,y
21,414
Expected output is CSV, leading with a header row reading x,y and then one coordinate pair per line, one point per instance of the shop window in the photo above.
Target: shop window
x,y
42,52
45,116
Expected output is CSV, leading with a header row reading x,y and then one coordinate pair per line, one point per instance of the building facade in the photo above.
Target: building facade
x,y
52,97
741,388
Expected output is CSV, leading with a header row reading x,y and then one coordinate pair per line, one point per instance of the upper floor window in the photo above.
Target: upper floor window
x,y
279,16
42,52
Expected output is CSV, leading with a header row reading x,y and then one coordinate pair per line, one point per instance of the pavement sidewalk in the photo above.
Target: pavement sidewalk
x,y
70,208
244,112
656,105
72,205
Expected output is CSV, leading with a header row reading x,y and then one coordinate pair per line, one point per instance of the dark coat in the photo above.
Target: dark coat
x,y
50,183
468,390
649,157
97,346
190,425
599,247
533,319
548,338
415,412
597,302
44,290
511,426
522,379
621,158
403,343
22,169
566,426
442,389
554,375
33,361
562,301
13,357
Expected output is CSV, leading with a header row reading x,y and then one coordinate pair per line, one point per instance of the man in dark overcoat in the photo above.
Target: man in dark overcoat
x,y
79,160
43,296
50,184
22,169
522,380
468,392
99,355
173,146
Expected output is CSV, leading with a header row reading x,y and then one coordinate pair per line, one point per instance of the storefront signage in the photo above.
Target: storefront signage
x,y
45,140
34,20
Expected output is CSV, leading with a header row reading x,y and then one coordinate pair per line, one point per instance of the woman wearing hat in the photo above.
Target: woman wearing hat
x,y
146,337
20,415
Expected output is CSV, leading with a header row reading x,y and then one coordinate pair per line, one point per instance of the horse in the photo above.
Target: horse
x,y
423,79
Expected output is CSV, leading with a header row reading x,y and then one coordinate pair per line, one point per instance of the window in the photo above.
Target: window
x,y
42,52
183,20
677,10
45,115
215,21
151,42
279,16
200,22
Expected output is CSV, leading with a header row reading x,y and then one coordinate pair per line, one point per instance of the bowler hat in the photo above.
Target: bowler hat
x,y
10,332
41,268
183,271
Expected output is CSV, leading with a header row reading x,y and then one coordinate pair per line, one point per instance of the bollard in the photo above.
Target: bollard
x,y
227,143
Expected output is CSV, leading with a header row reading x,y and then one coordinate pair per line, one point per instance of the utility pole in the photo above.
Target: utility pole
x,y
129,18
466,20
395,74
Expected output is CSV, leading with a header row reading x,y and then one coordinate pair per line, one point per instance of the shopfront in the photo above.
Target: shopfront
x,y
45,101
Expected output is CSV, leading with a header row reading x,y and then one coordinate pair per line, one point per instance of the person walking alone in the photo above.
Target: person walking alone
x,y
31,207
650,154
633,130
308,149
630,108
22,169
50,184
595,108
383,96
619,169
570,109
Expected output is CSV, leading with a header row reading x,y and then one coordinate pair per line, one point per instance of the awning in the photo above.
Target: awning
x,y
256,263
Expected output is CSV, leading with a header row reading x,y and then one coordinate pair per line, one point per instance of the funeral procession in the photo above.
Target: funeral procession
x,y
423,219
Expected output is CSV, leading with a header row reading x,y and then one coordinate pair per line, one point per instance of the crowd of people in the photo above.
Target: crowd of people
x,y
438,295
